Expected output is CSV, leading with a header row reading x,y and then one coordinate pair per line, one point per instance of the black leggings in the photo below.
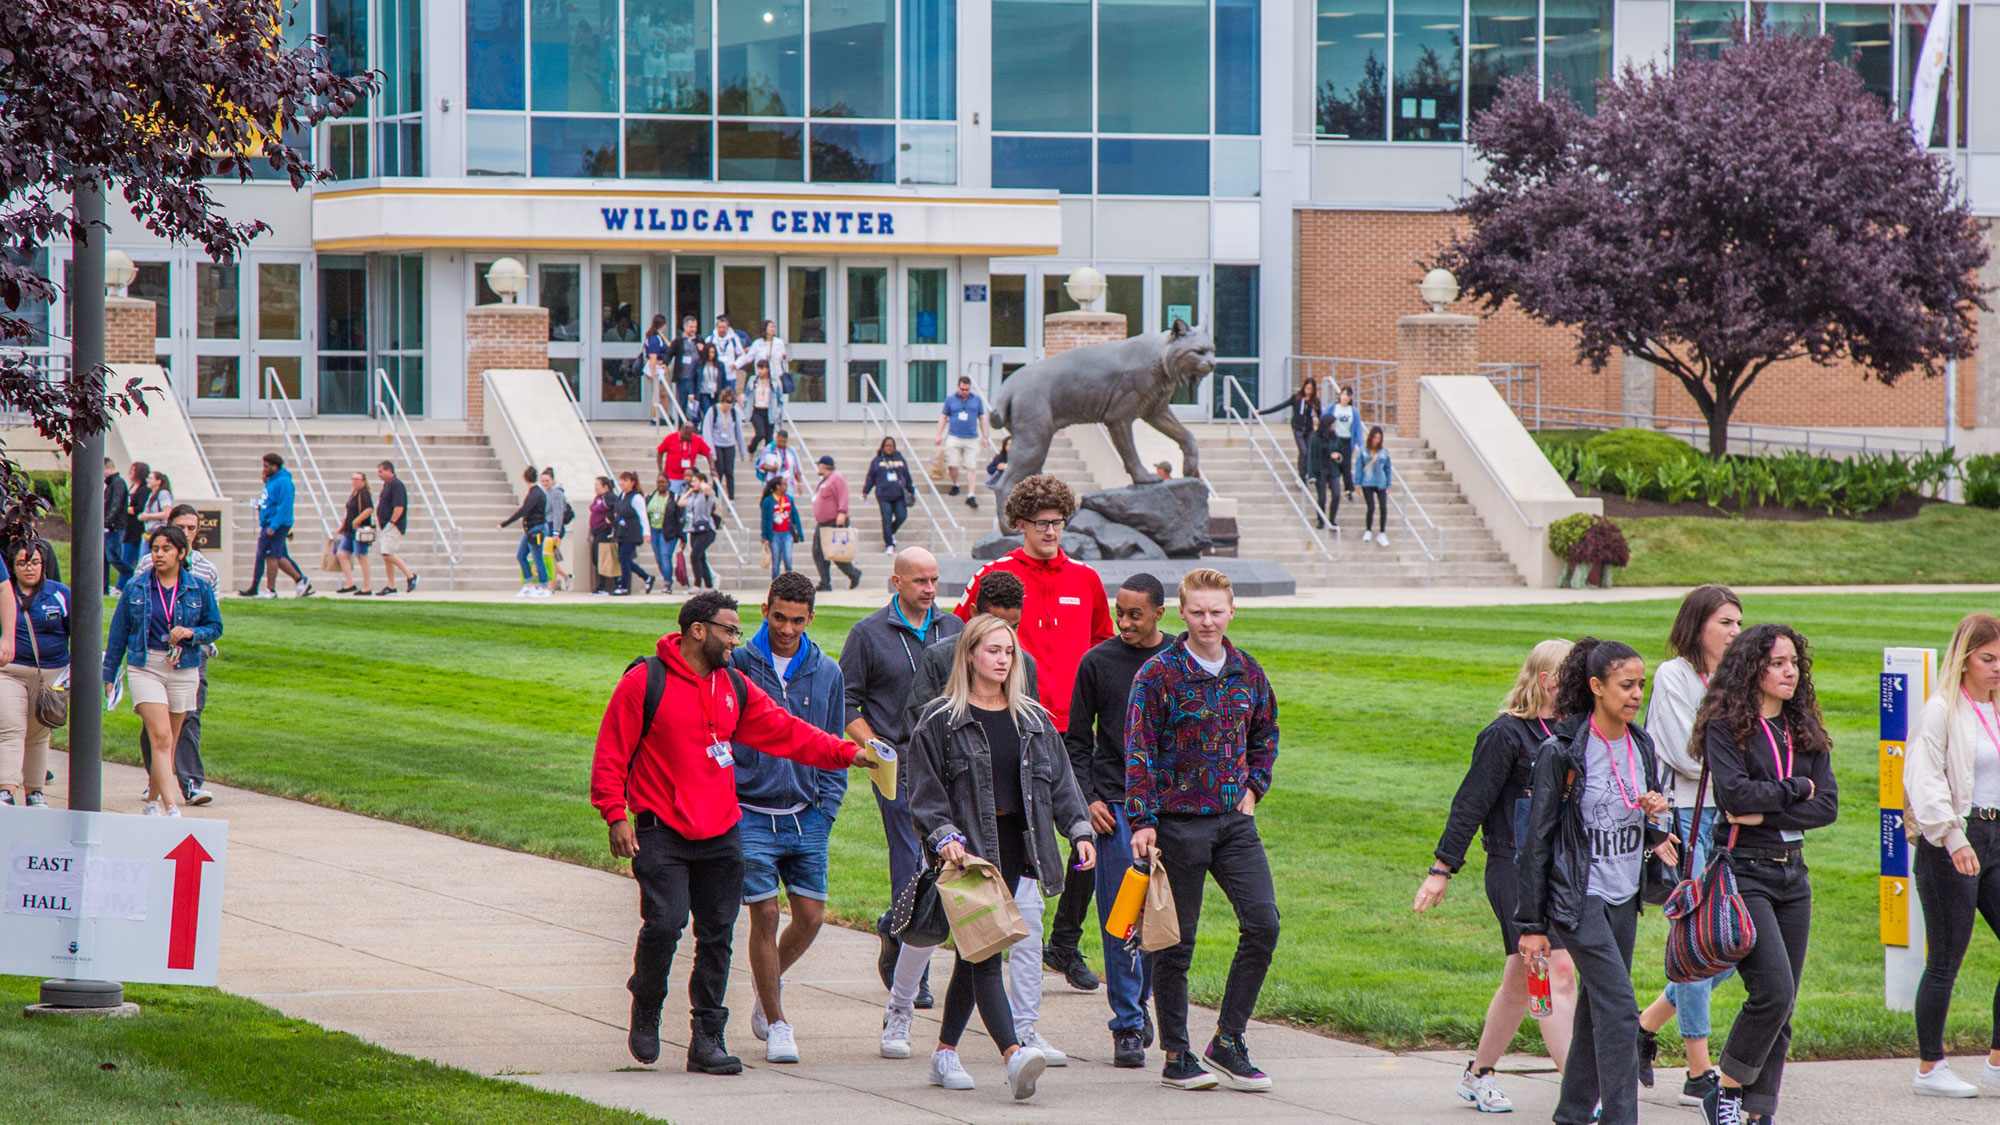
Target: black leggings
x,y
698,544
725,467
1327,485
982,982
760,427
1952,903
1378,499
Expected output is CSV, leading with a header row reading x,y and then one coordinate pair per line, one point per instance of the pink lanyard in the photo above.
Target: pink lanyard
x,y
168,606
1784,767
1546,732
1631,765
1990,732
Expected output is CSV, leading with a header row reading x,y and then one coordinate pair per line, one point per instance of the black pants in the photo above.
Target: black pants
x,y
679,878
1377,498
1303,440
1079,891
1952,903
628,565
698,544
821,564
1328,489
187,753
725,467
1345,447
1779,896
1228,847
894,514
1604,1045
760,428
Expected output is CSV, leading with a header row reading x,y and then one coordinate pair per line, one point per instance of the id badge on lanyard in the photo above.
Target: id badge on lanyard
x,y
720,752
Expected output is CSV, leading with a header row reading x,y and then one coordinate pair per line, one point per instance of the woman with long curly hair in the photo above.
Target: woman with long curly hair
x,y
1770,764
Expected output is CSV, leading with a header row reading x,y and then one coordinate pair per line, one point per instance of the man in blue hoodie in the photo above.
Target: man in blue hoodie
x,y
788,807
274,527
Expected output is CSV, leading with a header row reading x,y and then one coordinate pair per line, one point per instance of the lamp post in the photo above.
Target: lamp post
x,y
507,278
1439,288
1085,286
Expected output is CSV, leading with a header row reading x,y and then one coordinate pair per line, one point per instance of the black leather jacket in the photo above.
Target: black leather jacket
x,y
1554,863
1503,757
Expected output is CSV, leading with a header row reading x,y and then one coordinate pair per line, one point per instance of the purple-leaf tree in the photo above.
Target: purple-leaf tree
x,y
1722,217
150,98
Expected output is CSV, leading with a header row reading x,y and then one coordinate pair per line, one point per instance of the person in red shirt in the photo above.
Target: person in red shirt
x,y
1064,614
668,790
677,454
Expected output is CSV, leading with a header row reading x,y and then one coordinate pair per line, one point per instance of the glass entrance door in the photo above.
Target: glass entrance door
x,y
867,303
558,287
805,322
928,328
617,386
279,328
217,380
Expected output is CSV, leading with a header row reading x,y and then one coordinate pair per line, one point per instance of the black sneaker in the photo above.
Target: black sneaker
x,y
410,587
1649,1049
1228,1058
1183,1073
1072,966
972,501
1698,1087
1723,1107
954,490
650,583
708,1055
854,580
1126,1053
644,1038
385,591
885,958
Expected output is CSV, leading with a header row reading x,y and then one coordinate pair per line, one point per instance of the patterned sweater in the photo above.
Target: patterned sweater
x,y
1193,741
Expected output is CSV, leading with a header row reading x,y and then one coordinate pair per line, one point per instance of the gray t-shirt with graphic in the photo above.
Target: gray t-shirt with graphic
x,y
1617,834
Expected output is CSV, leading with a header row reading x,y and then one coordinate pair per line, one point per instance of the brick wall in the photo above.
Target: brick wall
x,y
1066,330
1430,344
1358,273
129,323
497,338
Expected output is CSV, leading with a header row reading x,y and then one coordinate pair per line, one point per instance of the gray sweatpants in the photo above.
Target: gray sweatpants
x,y
1604,1049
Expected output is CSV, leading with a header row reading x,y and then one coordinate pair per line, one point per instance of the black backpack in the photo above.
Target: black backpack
x,y
656,690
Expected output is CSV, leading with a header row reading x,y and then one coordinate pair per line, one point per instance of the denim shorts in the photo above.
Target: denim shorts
x,y
789,849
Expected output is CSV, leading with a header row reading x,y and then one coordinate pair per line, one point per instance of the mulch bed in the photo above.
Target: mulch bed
x,y
1618,507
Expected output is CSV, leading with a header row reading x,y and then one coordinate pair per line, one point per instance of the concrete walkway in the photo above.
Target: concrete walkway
x,y
513,965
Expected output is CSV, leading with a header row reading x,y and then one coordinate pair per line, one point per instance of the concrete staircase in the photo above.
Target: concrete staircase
x,y
631,445
1270,529
478,493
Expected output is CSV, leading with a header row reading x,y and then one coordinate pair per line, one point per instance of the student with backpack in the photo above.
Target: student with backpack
x,y
668,792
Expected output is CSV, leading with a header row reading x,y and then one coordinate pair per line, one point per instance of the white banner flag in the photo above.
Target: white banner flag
x,y
1930,72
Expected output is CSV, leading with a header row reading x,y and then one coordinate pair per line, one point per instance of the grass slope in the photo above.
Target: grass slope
x,y
478,720
1944,543
198,1056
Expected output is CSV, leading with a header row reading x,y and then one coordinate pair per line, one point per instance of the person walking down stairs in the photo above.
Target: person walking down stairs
x,y
1374,474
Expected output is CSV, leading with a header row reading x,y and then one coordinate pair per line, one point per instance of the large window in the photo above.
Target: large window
x,y
1418,70
837,91
1152,66
384,36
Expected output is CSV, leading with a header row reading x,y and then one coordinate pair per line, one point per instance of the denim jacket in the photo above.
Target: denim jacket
x,y
195,608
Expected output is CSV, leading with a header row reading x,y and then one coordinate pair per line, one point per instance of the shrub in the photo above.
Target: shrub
x,y
1982,481
1602,545
1647,450
1567,532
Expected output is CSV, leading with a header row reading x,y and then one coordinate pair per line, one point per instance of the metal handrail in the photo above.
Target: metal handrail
x,y
280,406
1248,416
445,529
677,414
1369,379
875,410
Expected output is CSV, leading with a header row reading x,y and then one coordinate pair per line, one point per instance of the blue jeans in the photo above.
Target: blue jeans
x,y
1690,1001
663,554
781,552
114,559
531,545
1128,978
788,851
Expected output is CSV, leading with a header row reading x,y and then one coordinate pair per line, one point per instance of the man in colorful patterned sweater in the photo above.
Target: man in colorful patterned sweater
x,y
1201,737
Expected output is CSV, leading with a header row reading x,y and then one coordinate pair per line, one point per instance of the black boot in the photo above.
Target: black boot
x,y
924,999
644,1038
707,1054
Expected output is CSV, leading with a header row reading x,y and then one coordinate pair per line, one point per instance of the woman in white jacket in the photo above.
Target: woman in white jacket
x,y
1709,618
1951,810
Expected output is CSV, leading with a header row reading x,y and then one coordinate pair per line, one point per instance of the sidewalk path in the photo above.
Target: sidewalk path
x,y
508,964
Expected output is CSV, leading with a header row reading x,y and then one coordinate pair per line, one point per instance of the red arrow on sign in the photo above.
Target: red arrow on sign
x,y
188,856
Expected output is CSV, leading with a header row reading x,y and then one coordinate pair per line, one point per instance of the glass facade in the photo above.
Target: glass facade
x,y
1416,70
380,35
787,91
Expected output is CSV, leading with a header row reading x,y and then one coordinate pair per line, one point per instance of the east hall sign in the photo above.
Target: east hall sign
x,y
479,216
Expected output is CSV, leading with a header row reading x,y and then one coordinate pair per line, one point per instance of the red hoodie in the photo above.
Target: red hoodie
x,y
673,775
1062,616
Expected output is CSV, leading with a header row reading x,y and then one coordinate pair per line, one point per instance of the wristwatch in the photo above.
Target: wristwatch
x,y
1439,870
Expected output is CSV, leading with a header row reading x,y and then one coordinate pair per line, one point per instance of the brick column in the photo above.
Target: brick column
x,y
129,323
1430,344
501,338
1066,330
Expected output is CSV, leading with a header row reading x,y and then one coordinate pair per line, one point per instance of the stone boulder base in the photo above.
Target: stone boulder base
x,y
993,545
1116,541
1173,513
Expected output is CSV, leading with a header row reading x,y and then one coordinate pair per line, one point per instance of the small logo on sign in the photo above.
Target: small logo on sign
x,y
72,947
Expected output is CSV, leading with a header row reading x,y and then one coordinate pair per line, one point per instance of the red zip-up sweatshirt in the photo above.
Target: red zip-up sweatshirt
x,y
672,775
1063,614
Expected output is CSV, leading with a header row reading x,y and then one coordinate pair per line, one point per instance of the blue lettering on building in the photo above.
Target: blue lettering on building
x,y
822,222
614,218
736,220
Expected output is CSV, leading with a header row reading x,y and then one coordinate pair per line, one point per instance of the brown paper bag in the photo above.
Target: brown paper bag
x,y
937,466
1159,922
980,907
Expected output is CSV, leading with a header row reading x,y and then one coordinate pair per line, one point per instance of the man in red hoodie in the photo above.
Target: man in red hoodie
x,y
666,784
1063,615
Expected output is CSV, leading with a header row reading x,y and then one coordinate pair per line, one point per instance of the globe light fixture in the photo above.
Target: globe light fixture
x,y
507,277
1085,286
119,272
1439,288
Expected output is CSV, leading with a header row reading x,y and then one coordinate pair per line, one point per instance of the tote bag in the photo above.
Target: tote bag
x,y
980,907
836,544
1708,924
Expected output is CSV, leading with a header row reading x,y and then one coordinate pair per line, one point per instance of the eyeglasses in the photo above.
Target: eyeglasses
x,y
735,633
1046,526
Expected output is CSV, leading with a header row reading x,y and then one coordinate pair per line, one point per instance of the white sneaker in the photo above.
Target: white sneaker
x,y
1989,1074
948,1072
1381,539
1030,1037
200,797
268,594
303,588
540,592
889,550
173,810
1942,1083
780,1047
759,1024
526,592
896,1032
152,809
1479,1090
1022,1070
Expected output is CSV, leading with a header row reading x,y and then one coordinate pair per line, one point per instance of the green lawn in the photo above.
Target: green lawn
x,y
199,1056
1944,543
478,720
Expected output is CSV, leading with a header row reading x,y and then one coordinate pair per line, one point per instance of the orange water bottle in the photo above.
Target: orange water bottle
x,y
1130,901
